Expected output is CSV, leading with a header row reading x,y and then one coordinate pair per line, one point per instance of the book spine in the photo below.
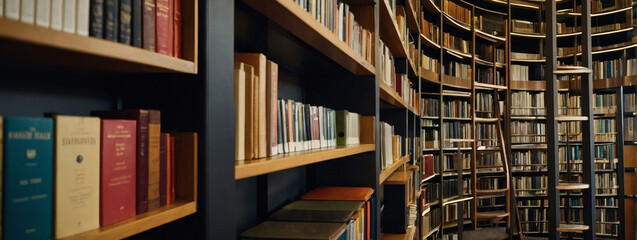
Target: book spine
x,y
12,9
42,13
163,168
1,11
68,18
141,197
136,23
172,169
83,17
97,19
341,127
162,28
125,17
154,134
148,25
271,98
112,16
177,28
27,11
28,154
56,14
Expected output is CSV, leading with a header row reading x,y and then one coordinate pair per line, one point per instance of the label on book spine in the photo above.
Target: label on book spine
x,y
125,17
97,18
111,11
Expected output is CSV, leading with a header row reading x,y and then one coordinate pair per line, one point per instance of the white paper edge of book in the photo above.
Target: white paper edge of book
x,y
57,7
82,20
43,13
68,16
27,11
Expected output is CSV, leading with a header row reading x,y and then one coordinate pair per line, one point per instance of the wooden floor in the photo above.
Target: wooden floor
x,y
496,233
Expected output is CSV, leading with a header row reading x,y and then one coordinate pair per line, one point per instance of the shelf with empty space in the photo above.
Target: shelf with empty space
x,y
390,96
251,168
29,43
384,174
300,23
389,32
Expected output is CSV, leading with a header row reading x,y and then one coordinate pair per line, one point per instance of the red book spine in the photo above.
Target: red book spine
x,y
177,28
163,168
163,26
429,165
117,185
172,169
399,84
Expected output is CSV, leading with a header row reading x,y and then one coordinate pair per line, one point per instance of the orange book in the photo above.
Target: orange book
x,y
339,193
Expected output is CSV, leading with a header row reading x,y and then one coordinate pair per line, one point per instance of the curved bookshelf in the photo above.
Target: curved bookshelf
x,y
384,174
490,37
389,32
390,96
528,85
528,60
456,53
429,76
430,6
412,17
300,23
251,168
428,42
456,82
527,35
456,23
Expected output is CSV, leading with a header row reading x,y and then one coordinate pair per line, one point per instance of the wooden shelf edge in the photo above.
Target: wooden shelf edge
x,y
95,47
389,32
300,23
390,96
140,223
384,174
251,168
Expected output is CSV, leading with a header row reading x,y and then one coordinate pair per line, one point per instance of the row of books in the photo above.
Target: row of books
x,y
451,212
338,17
450,187
604,103
607,27
431,192
605,5
568,104
85,172
456,109
484,105
608,69
429,30
605,156
429,63
449,162
387,71
528,132
486,134
489,76
605,130
630,128
525,103
431,220
456,130
606,183
456,69
631,67
457,11
519,72
488,159
569,131
523,26
391,145
630,102
490,22
530,185
489,53
430,107
150,24
528,161
431,164
431,139
323,213
526,56
456,43
572,154
491,183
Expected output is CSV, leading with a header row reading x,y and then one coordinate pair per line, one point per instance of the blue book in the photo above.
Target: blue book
x,y
28,178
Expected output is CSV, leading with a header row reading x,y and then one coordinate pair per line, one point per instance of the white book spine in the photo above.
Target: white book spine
x,y
43,13
12,9
82,20
69,14
1,8
27,11
57,7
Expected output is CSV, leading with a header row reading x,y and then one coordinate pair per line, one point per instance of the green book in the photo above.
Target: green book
x,y
312,215
325,205
295,230
341,127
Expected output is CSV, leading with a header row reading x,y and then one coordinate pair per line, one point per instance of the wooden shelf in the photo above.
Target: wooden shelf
x,y
456,82
300,23
398,178
528,60
140,223
444,203
528,35
564,70
572,186
456,53
384,174
431,232
488,86
574,228
490,37
492,214
430,6
494,191
389,32
412,17
429,76
399,236
390,96
571,118
28,43
454,22
428,42
251,168
486,120
528,85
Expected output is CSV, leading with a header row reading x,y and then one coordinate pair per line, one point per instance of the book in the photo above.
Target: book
x,y
77,174
322,205
111,22
271,91
259,62
124,25
171,190
82,20
141,160
312,215
341,127
240,110
57,7
12,9
154,135
250,112
27,202
163,27
169,169
295,230
339,193
27,11
117,185
42,13
163,168
177,28
69,16
1,15
136,23
148,25
97,19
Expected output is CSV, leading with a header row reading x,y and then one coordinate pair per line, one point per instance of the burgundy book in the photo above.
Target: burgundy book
x,y
399,84
154,136
141,163
177,28
117,170
163,168
148,25
429,165
163,27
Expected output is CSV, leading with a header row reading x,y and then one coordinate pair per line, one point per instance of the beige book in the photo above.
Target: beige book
x,y
240,110
259,62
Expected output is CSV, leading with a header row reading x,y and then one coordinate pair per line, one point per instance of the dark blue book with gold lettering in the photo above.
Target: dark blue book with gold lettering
x,y
125,17
111,20
97,19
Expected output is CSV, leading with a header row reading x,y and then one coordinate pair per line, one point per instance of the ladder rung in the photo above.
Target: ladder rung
x,y
575,228
486,120
494,191
492,214
572,186
564,70
571,118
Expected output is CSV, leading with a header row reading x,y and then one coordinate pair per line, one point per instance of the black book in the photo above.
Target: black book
x,y
308,124
97,19
137,23
125,13
111,11
279,127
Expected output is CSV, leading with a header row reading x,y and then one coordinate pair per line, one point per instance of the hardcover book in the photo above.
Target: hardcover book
x,y
163,168
240,110
177,28
117,186
125,18
27,11
69,16
295,230
12,9
111,11
141,162
341,127
77,176
82,20
97,18
272,80
163,27
56,14
154,134
42,13
27,202
259,62
148,24
136,23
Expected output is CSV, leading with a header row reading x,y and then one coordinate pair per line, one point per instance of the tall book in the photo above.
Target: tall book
x,y
163,27
171,190
111,11
163,168
136,23
42,13
77,174
28,178
117,185
141,159
154,134
82,21
125,18
12,9
56,14
259,62
27,11
250,112
272,80
177,28
341,127
240,110
148,25
69,16
97,19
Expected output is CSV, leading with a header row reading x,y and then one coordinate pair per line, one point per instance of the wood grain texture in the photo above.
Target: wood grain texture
x,y
429,76
251,168
391,169
456,82
528,85
390,96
